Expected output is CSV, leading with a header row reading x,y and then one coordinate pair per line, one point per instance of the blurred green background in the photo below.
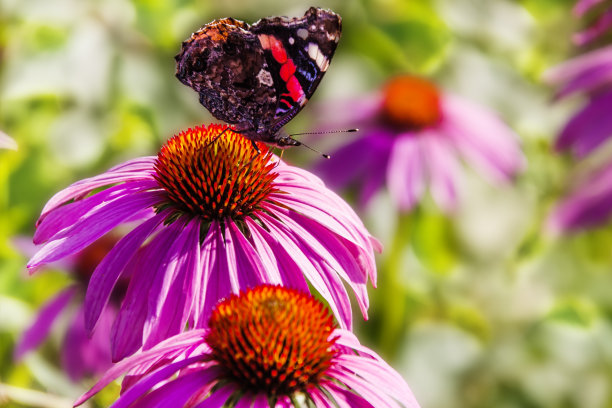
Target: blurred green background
x,y
479,309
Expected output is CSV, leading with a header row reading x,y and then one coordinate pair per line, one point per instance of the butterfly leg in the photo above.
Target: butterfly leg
x,y
255,146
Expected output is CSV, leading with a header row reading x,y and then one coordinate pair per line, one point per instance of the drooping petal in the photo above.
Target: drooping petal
x,y
128,330
140,169
218,398
357,160
276,258
345,398
350,264
243,264
83,355
177,342
216,281
589,128
582,6
600,27
139,389
485,141
39,330
168,305
574,67
443,170
406,172
99,222
108,271
326,282
588,205
68,215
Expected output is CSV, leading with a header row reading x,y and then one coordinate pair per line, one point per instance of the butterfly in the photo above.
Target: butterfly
x,y
258,77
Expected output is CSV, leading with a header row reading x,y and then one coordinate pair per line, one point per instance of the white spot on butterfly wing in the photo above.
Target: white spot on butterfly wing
x,y
317,56
265,77
291,40
302,33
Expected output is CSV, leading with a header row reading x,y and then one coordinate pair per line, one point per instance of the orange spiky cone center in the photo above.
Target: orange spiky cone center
x,y
215,174
411,102
272,339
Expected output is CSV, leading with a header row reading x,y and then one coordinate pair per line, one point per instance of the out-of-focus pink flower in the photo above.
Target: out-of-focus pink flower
x,y
591,75
81,355
587,205
601,25
268,347
6,142
414,136
214,216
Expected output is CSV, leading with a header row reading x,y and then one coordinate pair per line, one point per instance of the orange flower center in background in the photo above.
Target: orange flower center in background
x,y
272,339
214,176
411,102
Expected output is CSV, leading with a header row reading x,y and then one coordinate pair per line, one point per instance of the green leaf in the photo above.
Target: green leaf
x,y
574,311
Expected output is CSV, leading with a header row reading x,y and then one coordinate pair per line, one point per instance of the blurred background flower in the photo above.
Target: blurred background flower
x,y
412,137
474,308
82,354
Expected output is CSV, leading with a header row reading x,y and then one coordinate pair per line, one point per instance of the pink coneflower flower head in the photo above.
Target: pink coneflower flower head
x,y
213,216
591,75
587,205
82,355
599,25
6,142
415,136
267,347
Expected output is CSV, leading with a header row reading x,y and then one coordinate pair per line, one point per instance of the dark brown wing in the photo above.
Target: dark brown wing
x,y
225,64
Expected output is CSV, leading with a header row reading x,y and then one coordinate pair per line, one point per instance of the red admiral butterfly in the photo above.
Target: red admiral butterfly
x,y
259,77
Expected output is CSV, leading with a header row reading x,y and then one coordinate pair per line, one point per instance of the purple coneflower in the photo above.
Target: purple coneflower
x,y
413,135
6,142
589,74
601,24
215,216
82,355
267,347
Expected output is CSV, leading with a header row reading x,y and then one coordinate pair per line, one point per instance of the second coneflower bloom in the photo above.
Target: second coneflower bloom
x,y
213,216
267,347
415,137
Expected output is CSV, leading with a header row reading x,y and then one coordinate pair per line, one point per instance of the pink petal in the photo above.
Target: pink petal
x,y
406,172
443,169
168,306
140,169
84,232
39,330
127,332
140,388
108,271
170,345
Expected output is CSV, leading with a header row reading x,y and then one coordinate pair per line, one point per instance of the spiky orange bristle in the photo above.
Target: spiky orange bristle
x,y
272,339
215,173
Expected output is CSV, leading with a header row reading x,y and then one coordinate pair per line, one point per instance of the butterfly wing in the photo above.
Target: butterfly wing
x,y
297,52
225,64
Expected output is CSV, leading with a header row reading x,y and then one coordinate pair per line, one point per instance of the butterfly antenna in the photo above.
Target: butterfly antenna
x,y
327,156
324,132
